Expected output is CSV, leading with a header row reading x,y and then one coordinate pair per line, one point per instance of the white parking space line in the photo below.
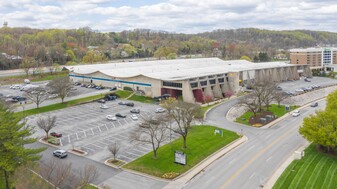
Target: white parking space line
x,y
136,150
92,131
269,158
103,143
88,148
85,134
69,138
251,176
106,127
99,128
125,157
96,145
77,136
119,123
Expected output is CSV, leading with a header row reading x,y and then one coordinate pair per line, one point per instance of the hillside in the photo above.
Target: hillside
x,y
51,46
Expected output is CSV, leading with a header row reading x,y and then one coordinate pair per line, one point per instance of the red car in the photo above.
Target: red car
x,y
54,134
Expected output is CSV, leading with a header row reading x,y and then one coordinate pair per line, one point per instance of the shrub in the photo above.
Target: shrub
x,y
127,89
170,175
54,141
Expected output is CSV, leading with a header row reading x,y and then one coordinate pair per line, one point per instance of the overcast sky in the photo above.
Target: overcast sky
x,y
187,16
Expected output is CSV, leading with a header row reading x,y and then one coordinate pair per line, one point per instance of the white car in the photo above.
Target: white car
x,y
134,117
103,106
160,110
111,118
15,87
295,113
299,90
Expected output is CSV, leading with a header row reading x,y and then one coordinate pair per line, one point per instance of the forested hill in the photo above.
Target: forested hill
x,y
274,39
45,47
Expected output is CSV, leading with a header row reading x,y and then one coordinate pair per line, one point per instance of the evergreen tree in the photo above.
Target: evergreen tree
x,y
14,135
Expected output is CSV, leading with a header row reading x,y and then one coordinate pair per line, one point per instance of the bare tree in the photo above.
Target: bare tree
x,y
279,97
152,131
46,123
87,175
37,95
58,173
250,103
183,114
270,89
114,149
61,86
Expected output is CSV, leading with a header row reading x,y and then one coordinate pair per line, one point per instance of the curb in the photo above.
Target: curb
x,y
272,180
113,166
215,105
180,181
47,143
76,153
144,174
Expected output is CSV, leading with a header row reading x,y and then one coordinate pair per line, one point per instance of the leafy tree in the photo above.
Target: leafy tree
x,y
245,58
332,101
263,57
172,56
321,129
61,86
13,138
27,64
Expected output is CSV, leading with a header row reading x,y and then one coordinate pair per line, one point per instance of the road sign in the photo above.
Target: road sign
x,y
179,157
287,108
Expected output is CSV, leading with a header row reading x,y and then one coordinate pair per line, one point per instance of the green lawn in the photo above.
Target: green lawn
x,y
201,143
143,99
40,77
279,111
123,94
315,170
90,187
59,106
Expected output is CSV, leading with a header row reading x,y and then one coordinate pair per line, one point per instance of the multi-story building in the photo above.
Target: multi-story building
x,y
314,57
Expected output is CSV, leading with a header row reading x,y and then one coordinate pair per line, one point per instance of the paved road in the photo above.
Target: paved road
x,y
253,163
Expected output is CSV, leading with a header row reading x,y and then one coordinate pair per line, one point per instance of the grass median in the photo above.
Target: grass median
x,y
59,106
201,143
274,108
33,78
314,170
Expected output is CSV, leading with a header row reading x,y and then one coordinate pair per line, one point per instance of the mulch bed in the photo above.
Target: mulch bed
x,y
256,120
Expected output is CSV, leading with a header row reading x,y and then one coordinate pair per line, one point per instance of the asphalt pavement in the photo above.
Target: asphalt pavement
x,y
251,164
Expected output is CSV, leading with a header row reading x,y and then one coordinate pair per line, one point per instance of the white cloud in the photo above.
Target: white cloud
x,y
189,16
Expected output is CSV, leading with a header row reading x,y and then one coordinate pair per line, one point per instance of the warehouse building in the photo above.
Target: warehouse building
x,y
191,79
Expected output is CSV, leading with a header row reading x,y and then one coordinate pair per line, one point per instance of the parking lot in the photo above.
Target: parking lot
x,y
292,86
8,93
86,127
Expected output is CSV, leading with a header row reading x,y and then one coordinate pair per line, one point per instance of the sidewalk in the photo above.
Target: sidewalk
x,y
57,100
184,178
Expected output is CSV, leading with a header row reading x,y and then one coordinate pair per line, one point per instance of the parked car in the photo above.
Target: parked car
x,y
19,98
122,103
295,113
54,134
99,87
314,104
109,97
120,115
103,106
306,80
279,88
60,153
299,90
26,81
84,85
111,118
113,88
160,110
134,117
135,111
130,104
77,83
15,87
101,101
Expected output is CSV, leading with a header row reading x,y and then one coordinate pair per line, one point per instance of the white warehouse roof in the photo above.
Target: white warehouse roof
x,y
178,69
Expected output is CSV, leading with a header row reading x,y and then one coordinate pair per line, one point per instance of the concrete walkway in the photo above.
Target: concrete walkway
x,y
184,178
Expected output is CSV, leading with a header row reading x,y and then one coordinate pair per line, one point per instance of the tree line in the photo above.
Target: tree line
x,y
83,45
